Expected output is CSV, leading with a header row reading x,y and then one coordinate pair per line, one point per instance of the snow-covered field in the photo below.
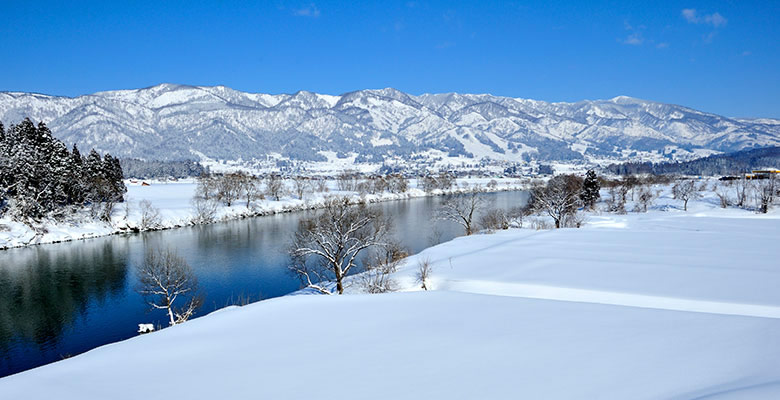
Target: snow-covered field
x,y
174,202
660,305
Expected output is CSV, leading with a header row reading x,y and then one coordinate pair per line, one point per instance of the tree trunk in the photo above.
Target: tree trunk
x,y
339,278
170,315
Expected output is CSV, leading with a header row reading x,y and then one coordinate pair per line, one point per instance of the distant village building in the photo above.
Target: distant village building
x,y
763,174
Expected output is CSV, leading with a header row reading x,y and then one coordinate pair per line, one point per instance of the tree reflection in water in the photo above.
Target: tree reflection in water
x,y
43,292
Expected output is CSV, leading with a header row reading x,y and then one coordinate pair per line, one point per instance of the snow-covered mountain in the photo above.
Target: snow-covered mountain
x,y
178,121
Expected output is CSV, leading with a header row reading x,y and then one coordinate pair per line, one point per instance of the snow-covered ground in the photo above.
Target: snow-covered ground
x,y
660,305
174,202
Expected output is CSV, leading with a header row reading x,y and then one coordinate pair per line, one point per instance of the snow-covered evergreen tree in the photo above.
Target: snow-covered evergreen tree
x,y
590,189
77,192
112,170
5,166
39,175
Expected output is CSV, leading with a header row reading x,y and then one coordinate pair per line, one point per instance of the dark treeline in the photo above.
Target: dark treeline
x,y
141,169
39,175
722,164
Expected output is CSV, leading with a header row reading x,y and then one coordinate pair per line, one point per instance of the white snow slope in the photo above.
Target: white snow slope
x,y
658,305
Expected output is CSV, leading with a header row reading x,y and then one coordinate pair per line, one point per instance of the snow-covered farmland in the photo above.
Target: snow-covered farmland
x,y
173,200
660,305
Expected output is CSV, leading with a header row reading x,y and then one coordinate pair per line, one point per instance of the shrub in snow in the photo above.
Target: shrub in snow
x,y
423,273
494,219
150,215
721,190
379,268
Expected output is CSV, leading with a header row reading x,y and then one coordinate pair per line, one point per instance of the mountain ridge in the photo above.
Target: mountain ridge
x,y
176,121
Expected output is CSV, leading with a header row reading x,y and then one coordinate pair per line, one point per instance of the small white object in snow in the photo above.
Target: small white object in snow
x,y
145,328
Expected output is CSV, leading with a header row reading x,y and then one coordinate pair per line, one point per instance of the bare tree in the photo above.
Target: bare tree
x,y
617,199
428,183
363,188
347,181
301,185
251,187
462,209
443,181
326,246
207,186
274,186
766,190
322,186
645,199
163,278
685,190
379,184
741,186
229,188
150,215
205,210
630,182
397,183
559,198
107,212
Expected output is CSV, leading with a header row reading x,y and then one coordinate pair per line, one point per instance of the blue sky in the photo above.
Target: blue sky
x,y
716,56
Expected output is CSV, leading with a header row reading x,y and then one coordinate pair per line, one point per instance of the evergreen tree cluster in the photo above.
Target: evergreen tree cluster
x,y
38,174
721,164
145,169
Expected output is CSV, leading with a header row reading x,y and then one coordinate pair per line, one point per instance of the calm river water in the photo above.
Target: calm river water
x,y
63,299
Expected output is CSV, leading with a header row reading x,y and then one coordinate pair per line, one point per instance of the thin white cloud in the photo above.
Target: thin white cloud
x,y
690,15
662,45
309,11
634,39
714,19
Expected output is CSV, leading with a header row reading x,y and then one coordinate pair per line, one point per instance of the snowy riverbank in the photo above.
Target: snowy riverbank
x,y
666,304
174,202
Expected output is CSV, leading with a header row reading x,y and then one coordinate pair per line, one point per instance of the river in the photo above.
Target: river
x,y
59,300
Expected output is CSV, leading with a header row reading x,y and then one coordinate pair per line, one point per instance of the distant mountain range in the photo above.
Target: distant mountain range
x,y
169,121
